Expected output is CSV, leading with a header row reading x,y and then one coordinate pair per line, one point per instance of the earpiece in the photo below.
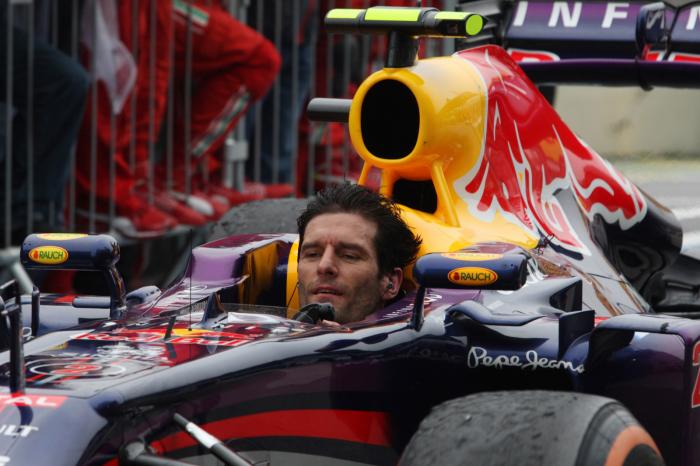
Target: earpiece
x,y
389,286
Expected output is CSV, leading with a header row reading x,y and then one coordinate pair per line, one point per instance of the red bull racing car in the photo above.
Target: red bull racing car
x,y
537,327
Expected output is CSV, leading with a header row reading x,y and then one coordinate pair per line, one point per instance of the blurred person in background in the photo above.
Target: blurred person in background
x,y
277,179
57,97
338,78
107,129
231,65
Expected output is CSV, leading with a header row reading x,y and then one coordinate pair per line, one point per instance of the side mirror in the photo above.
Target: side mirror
x,y
466,270
77,251
471,271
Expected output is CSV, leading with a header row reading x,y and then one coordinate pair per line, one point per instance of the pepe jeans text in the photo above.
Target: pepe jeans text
x,y
479,357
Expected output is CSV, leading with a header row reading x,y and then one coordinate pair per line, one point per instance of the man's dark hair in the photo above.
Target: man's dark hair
x,y
395,243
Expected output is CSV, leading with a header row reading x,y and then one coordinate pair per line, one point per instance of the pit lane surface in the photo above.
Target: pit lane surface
x,y
675,184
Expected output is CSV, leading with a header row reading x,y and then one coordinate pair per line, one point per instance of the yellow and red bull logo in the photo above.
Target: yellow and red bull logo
x,y
60,236
49,255
526,158
500,158
471,256
471,276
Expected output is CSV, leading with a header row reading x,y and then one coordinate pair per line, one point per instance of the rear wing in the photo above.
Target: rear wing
x,y
597,42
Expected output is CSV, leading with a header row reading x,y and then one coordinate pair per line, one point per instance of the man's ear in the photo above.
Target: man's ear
x,y
392,284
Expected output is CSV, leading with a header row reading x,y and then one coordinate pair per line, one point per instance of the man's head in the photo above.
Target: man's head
x,y
353,246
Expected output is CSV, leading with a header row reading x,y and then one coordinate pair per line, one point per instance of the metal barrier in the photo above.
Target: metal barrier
x,y
272,140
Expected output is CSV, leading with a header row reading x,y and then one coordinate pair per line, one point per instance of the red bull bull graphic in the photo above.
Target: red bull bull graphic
x,y
528,155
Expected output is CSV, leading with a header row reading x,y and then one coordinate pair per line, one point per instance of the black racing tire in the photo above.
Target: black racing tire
x,y
531,428
264,216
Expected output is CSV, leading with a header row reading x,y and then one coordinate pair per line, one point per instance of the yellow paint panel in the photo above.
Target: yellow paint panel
x,y
392,14
437,236
472,256
292,280
60,236
343,13
451,15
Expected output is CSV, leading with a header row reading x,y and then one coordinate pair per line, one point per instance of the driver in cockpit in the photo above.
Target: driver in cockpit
x,y
353,246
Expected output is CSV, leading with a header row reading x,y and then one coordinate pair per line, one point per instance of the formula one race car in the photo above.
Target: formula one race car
x,y
529,332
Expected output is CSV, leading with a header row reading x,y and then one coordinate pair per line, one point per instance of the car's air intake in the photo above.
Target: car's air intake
x,y
415,122
390,120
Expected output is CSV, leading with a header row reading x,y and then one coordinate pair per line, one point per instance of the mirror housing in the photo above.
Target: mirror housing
x,y
471,270
77,251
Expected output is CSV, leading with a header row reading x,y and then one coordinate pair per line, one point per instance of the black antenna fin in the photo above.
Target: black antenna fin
x,y
190,283
214,307
169,330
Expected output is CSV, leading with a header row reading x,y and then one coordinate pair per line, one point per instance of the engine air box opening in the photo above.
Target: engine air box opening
x,y
390,120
